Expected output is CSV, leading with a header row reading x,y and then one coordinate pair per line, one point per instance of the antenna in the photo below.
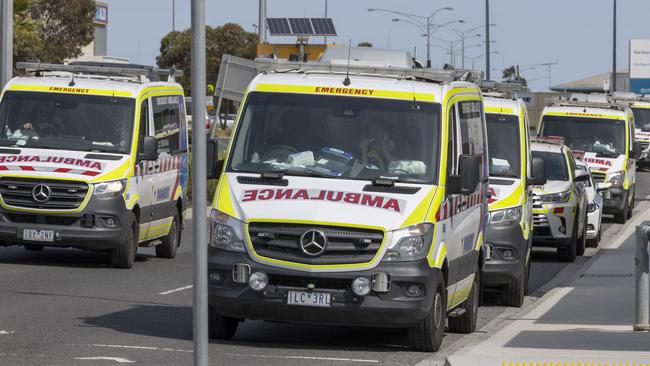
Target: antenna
x,y
347,81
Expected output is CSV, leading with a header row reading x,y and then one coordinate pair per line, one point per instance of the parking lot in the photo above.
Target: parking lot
x,y
69,307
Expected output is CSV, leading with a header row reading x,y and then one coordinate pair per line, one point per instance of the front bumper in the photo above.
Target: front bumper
x,y
593,224
614,199
87,229
501,270
553,225
392,309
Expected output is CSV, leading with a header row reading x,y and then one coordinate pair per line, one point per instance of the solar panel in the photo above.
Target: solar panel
x,y
301,27
278,26
323,26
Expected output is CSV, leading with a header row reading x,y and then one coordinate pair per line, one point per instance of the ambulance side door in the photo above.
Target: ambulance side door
x,y
167,131
145,169
469,212
451,223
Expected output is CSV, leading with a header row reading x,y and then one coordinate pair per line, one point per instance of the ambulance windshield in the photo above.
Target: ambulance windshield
x,y
605,137
503,142
642,118
66,122
338,136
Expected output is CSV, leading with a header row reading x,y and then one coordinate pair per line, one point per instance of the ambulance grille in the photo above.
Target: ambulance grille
x,y
537,203
65,195
598,177
540,220
345,245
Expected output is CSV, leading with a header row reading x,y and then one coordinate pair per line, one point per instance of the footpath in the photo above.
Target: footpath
x,y
587,321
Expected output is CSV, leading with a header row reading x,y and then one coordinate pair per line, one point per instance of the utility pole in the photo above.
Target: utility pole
x,y
199,185
428,42
173,15
6,41
262,21
325,37
613,86
487,39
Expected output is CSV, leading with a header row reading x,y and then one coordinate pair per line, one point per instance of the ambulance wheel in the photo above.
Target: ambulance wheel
x,y
513,293
466,322
221,327
427,334
569,253
630,206
33,248
170,242
124,255
582,241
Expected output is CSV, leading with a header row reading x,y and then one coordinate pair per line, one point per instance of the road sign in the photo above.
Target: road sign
x,y
640,66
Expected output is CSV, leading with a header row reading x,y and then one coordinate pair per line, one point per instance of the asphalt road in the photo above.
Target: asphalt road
x,y
68,307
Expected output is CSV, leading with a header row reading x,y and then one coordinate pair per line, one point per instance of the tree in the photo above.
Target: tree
x,y
511,74
230,38
364,44
52,30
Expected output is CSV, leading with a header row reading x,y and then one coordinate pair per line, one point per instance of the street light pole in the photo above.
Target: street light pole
x,y
325,37
429,42
199,186
487,39
6,41
613,86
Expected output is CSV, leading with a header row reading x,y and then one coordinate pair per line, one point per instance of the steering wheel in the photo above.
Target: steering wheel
x,y
278,151
400,172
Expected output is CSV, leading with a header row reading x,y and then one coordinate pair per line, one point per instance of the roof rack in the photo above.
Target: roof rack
x,y
506,89
358,68
101,68
553,140
612,104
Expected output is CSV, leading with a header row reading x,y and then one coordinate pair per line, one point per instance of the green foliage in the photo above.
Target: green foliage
x,y
52,30
364,44
175,50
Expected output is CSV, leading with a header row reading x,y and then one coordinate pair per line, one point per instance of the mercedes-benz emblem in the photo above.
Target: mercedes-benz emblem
x,y
313,243
41,193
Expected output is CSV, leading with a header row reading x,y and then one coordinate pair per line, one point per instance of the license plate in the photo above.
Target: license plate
x,y
302,298
38,235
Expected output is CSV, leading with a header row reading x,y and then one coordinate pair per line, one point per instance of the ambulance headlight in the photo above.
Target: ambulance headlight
x,y
505,217
115,187
410,243
616,179
591,207
555,197
227,233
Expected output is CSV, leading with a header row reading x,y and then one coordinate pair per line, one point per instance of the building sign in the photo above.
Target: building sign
x,y
640,66
101,14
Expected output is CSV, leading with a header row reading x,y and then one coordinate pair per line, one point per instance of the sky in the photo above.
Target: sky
x,y
577,34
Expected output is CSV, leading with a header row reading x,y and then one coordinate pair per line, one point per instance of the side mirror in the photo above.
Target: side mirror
x,y
580,176
213,163
538,172
467,179
637,151
149,149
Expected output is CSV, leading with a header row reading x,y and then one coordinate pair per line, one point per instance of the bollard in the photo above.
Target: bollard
x,y
642,277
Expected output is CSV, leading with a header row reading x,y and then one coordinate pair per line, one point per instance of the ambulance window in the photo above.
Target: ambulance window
x,y
144,122
452,155
470,116
166,120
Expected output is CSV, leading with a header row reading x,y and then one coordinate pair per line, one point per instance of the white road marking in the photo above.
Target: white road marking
x,y
289,357
6,332
302,357
176,290
116,359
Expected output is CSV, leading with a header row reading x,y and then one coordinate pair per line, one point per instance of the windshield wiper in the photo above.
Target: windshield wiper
x,y
607,154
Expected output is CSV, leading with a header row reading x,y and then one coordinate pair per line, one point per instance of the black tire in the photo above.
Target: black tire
x,y
569,253
33,248
124,255
466,323
170,242
630,206
582,241
221,327
513,294
426,335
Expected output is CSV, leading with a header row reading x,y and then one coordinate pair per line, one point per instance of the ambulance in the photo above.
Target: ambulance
x,y
508,239
93,156
640,106
560,205
352,195
605,132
